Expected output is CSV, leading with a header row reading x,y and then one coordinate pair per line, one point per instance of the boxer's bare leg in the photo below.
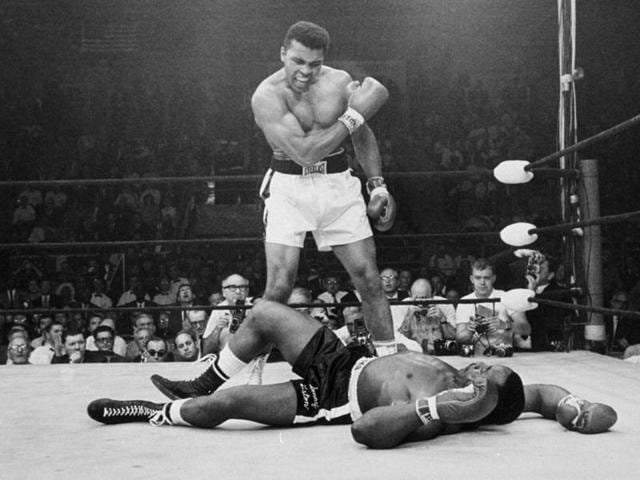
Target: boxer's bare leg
x,y
359,259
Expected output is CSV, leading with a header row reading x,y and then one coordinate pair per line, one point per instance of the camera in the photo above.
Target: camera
x,y
360,333
237,316
482,326
445,347
467,350
500,350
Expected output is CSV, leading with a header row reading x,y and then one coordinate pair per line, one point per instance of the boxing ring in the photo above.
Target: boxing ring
x,y
47,433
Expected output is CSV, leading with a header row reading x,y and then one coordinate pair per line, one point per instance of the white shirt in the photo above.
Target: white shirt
x,y
220,317
466,311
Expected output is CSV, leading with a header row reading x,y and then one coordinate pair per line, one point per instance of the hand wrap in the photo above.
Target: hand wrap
x,y
352,119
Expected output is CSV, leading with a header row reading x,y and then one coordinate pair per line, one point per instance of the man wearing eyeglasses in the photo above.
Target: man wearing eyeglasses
x,y
223,322
105,337
18,351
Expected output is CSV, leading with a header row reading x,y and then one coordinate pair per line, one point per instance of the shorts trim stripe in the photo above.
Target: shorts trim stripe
x,y
328,415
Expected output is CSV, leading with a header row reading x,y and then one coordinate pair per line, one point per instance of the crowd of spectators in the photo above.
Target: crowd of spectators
x,y
119,124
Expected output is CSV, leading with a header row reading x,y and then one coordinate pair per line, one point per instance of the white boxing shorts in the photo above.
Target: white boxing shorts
x,y
329,205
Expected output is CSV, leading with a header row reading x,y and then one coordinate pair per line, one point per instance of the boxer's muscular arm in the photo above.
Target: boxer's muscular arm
x,y
282,129
386,427
367,152
543,399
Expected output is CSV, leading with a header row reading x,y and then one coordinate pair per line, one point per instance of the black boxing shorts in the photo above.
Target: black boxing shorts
x,y
325,366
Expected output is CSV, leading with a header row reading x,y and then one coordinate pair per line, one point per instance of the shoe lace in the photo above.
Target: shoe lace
x,y
130,410
209,358
160,418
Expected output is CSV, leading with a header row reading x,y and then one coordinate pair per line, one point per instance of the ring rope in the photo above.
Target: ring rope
x,y
223,240
166,308
248,177
585,308
585,223
598,137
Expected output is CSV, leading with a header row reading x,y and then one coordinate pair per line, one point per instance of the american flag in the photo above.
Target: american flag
x,y
110,37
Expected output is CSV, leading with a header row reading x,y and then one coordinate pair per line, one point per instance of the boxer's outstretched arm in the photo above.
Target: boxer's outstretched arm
x,y
282,130
543,399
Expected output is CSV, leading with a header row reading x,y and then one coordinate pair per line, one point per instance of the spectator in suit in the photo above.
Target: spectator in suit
x,y
332,294
46,299
622,332
98,297
105,337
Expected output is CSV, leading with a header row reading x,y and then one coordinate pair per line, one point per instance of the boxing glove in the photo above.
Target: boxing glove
x,y
459,405
367,97
381,208
582,416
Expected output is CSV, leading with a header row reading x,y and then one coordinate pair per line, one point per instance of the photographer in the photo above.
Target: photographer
x,y
488,327
431,326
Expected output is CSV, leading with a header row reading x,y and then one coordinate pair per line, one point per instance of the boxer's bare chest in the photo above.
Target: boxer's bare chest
x,y
317,108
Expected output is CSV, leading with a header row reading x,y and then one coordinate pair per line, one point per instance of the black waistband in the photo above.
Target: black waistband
x,y
335,163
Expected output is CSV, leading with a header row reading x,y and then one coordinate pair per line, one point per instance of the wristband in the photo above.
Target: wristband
x,y
376,184
385,348
427,410
352,119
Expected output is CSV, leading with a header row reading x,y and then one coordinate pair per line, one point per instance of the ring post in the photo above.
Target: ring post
x,y
594,332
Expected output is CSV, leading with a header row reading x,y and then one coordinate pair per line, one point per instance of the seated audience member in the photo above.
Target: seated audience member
x,y
186,346
184,298
353,328
138,345
156,351
73,350
550,326
390,284
162,325
622,332
94,320
119,343
405,280
104,340
302,295
140,300
164,295
98,297
196,321
43,322
46,299
224,322
332,294
453,295
488,327
135,293
52,346
427,324
18,350
12,331
215,298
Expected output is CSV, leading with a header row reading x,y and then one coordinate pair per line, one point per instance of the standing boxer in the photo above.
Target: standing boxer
x,y
306,110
